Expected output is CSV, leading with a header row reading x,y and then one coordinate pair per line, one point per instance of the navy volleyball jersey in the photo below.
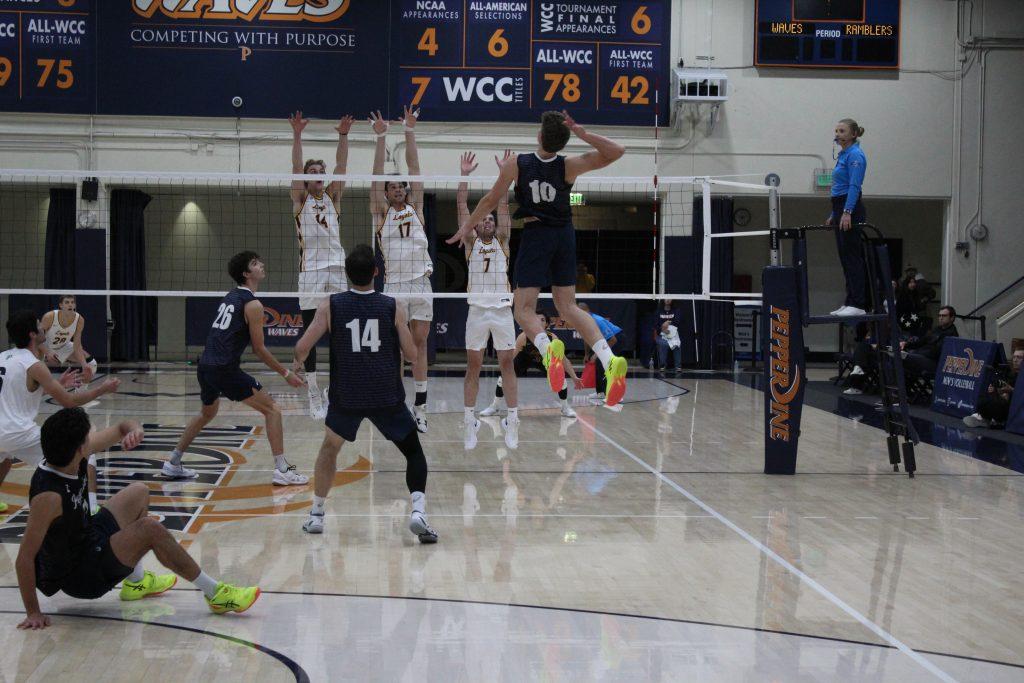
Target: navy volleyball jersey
x,y
68,534
229,334
541,190
366,362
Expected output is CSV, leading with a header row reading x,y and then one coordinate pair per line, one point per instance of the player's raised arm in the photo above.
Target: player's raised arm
x,y
317,329
504,232
605,151
298,124
254,319
467,164
508,175
412,157
44,508
336,187
378,203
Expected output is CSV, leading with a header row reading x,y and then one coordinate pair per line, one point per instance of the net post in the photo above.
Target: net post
x,y
706,206
774,223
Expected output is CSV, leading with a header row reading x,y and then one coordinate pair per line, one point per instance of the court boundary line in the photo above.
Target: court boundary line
x,y
580,610
296,669
782,562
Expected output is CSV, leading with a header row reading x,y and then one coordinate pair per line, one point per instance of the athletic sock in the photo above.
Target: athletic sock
x,y
281,463
541,341
513,414
311,383
419,502
137,574
499,391
563,395
421,392
176,457
93,500
318,505
206,584
469,414
604,352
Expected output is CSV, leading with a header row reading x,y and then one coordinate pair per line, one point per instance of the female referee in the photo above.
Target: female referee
x,y
847,213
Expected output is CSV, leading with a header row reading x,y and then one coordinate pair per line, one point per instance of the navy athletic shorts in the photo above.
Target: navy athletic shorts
x,y
546,256
231,383
96,569
394,422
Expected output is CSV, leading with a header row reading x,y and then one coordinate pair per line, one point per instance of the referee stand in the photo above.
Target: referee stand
x,y
786,310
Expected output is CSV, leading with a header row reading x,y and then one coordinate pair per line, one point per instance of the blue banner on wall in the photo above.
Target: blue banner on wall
x,y
282,321
963,374
784,369
480,61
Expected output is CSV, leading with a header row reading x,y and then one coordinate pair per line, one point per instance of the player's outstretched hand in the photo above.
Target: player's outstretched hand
x,y
507,157
132,439
294,380
298,123
578,383
467,163
576,128
378,122
344,125
409,116
71,379
110,386
34,621
462,236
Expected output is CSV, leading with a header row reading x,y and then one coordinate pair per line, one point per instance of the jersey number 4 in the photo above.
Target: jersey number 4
x,y
542,191
370,337
223,319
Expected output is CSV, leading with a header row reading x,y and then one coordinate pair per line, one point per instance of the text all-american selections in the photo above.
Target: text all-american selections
x,y
459,60
852,34
47,56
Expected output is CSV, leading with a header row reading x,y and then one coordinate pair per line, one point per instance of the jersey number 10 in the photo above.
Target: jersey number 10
x,y
542,191
370,337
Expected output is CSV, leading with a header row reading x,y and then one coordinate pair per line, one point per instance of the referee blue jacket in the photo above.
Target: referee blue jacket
x,y
848,176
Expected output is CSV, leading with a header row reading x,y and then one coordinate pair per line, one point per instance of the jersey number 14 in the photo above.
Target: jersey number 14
x,y
370,337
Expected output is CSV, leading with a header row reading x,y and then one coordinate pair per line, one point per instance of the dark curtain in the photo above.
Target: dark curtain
x,y
134,317
714,319
59,263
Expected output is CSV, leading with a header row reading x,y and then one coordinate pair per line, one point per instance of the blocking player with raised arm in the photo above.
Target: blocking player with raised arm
x,y
24,378
238,323
63,328
368,334
65,548
317,226
397,209
547,250
489,316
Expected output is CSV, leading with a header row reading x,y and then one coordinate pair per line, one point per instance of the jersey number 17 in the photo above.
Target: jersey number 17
x,y
370,337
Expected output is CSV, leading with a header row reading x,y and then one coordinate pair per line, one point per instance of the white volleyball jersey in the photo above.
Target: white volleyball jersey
x,y
60,339
403,242
488,274
317,227
18,406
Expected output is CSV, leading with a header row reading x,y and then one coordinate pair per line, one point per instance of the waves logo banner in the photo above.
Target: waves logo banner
x,y
247,10
964,366
784,377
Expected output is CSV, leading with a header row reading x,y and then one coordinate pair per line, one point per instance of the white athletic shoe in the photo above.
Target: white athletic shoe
x,y
314,525
846,311
317,405
418,525
567,410
976,420
172,471
290,477
420,413
837,311
852,391
493,409
596,399
470,426
511,426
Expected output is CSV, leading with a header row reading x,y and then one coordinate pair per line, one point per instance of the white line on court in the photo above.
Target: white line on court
x,y
778,559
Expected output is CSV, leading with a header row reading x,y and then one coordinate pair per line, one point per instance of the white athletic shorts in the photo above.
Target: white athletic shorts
x,y
415,308
316,284
24,446
496,323
64,352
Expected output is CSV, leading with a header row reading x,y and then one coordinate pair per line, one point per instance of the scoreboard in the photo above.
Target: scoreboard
x,y
460,60
47,56
852,34
509,61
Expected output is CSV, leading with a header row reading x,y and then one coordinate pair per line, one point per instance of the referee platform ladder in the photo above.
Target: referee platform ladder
x,y
883,327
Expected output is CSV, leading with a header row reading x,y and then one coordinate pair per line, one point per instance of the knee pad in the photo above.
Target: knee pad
x,y
91,364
